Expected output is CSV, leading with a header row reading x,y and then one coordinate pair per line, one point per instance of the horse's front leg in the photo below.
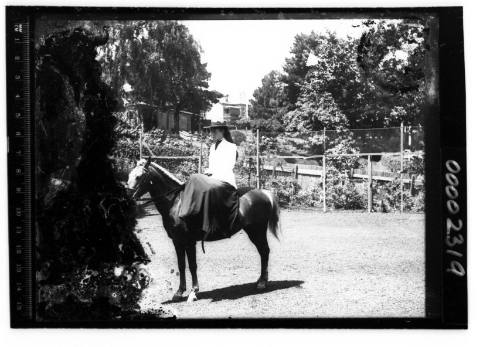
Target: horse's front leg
x,y
181,262
191,255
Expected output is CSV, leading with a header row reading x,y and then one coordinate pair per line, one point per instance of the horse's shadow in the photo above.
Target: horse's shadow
x,y
242,290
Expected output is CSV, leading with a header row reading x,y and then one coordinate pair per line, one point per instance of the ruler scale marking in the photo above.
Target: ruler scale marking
x,y
20,159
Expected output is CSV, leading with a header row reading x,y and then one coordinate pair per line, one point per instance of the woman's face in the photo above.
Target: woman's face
x,y
217,134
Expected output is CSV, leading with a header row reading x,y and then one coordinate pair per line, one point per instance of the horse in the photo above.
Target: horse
x,y
258,212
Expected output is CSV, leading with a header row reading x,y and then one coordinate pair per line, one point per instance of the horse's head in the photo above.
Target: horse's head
x,y
148,176
138,178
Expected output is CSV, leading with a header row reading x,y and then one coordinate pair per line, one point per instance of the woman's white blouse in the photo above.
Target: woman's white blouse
x,y
221,162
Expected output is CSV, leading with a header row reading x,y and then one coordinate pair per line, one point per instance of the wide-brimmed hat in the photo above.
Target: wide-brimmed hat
x,y
216,125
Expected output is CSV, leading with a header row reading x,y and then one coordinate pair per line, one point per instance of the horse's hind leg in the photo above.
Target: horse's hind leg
x,y
258,235
180,250
191,255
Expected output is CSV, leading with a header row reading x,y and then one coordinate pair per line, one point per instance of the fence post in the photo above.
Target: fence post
x,y
200,157
140,138
324,183
401,168
324,169
370,193
201,138
324,140
258,159
249,171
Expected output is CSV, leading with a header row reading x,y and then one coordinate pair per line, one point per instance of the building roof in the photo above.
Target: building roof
x,y
230,104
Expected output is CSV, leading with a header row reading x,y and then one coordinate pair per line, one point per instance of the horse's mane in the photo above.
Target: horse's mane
x,y
167,173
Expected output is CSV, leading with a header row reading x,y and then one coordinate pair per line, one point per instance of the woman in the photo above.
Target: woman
x,y
223,154
212,199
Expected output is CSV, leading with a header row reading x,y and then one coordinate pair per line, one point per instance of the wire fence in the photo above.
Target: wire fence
x,y
328,169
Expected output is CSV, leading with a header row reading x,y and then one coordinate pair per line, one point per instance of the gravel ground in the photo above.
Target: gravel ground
x,y
338,264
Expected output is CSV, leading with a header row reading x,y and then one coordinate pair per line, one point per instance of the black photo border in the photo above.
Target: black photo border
x,y
445,136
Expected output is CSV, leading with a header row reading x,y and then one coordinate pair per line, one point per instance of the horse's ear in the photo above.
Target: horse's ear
x,y
148,162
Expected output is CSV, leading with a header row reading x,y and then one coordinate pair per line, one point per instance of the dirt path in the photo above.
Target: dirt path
x,y
329,265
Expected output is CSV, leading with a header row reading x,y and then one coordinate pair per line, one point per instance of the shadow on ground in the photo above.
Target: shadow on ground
x,y
241,290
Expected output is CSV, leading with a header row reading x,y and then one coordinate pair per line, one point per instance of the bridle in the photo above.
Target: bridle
x,y
144,178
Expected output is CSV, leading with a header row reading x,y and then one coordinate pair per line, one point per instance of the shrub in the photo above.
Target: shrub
x,y
126,153
94,294
309,197
285,189
387,198
84,217
238,137
419,202
345,196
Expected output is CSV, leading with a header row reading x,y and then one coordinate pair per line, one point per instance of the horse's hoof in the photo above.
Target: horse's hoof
x,y
261,285
192,296
177,297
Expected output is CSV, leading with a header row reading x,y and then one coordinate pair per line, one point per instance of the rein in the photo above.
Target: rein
x,y
141,182
173,190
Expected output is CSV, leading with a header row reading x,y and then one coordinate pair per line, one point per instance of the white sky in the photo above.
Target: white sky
x,y
239,53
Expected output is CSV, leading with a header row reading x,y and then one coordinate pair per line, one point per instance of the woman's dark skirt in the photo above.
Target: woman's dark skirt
x,y
211,205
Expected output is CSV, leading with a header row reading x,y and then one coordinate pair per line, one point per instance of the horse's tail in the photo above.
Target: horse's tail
x,y
273,224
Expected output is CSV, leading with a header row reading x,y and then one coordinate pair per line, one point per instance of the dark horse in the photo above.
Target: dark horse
x,y
258,212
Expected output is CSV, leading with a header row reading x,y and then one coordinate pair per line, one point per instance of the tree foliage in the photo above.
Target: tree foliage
x,y
374,81
158,63
268,103
85,218
269,98
296,66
